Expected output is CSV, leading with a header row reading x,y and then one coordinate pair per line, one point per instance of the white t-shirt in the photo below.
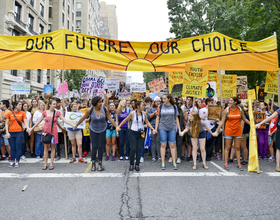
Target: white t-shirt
x,y
204,113
141,120
37,115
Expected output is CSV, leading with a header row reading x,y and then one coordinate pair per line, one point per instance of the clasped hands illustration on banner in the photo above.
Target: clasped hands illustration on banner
x,y
64,49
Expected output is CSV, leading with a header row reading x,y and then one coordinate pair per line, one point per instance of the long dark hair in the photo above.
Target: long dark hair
x,y
171,100
235,99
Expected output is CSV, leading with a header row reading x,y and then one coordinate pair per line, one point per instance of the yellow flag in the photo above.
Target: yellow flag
x,y
253,144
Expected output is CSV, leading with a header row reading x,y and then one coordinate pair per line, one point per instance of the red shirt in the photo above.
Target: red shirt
x,y
273,124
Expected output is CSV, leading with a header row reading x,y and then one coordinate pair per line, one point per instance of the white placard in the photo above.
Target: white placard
x,y
121,76
20,88
74,117
76,93
138,87
112,84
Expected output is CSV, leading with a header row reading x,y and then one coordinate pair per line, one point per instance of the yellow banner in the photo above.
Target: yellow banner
x,y
64,49
271,84
229,83
253,144
195,81
251,95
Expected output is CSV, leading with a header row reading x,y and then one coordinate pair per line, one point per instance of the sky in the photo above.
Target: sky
x,y
142,20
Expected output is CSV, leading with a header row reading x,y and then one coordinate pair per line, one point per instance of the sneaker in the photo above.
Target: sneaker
x,y
244,162
10,158
175,167
170,160
81,160
16,165
121,158
141,159
240,167
226,166
188,159
271,159
153,160
23,158
85,154
107,158
38,157
159,159
3,158
183,157
218,157
113,158
73,160
11,165
57,158
33,155
179,160
208,159
126,159
162,166
230,160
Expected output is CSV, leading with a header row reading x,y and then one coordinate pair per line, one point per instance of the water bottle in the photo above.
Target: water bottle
x,y
53,141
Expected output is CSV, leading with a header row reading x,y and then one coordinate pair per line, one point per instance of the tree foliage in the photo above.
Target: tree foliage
x,y
248,20
150,76
73,78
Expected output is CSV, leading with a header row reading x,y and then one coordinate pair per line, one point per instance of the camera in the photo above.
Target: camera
x,y
140,130
111,127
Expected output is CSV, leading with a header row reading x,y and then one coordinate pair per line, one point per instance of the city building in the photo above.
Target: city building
x,y
104,28
109,12
23,18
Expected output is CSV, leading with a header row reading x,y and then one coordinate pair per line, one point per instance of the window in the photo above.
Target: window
x,y
31,21
17,10
78,30
78,23
68,24
50,12
73,16
14,72
62,17
73,2
48,80
41,29
27,74
15,33
38,76
68,10
31,2
78,5
72,28
42,10
63,3
78,14
49,28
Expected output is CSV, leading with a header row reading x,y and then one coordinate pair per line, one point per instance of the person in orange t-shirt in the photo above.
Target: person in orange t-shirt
x,y
14,131
233,131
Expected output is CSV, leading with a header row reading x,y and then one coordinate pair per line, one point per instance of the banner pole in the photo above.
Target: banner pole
x,y
221,96
272,101
65,143
278,88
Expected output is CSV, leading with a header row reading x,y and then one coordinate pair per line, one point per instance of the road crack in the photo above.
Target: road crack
x,y
125,208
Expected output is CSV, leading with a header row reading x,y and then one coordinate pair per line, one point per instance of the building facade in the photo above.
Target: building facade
x,y
23,18
109,12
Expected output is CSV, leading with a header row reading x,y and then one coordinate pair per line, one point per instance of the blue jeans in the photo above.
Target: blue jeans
x,y
15,143
167,135
123,134
39,147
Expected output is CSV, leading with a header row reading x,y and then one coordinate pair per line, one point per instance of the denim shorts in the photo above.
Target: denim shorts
x,y
201,135
4,139
110,133
167,135
232,137
272,138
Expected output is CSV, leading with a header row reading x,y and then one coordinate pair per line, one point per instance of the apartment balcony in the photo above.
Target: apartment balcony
x,y
17,19
13,21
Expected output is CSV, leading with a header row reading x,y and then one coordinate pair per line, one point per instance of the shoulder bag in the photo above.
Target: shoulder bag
x,y
47,137
18,123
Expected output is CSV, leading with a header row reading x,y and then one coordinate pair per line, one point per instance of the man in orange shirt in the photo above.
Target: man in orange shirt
x,y
4,140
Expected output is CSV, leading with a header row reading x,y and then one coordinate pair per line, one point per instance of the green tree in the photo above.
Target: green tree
x,y
150,76
248,20
73,78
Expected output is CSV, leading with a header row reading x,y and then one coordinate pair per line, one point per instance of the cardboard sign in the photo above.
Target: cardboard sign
x,y
271,84
48,91
242,87
258,117
112,84
121,76
214,112
229,83
138,87
157,85
20,89
175,78
74,117
195,80
91,87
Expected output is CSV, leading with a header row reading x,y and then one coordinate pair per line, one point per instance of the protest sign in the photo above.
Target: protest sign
x,y
214,112
48,91
229,85
76,93
138,87
211,90
121,76
242,87
124,95
261,94
153,95
74,117
258,117
91,87
175,78
195,81
157,85
271,84
59,91
251,94
139,96
22,88
111,84
214,77
20,79
177,90
86,130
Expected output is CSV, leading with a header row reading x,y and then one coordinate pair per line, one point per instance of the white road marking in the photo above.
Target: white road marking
x,y
41,160
182,174
219,167
273,173
59,175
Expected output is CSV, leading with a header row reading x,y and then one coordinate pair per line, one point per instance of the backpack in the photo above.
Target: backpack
x,y
240,109
133,114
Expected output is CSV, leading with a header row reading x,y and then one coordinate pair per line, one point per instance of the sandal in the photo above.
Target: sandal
x,y
45,168
51,168
205,167
194,167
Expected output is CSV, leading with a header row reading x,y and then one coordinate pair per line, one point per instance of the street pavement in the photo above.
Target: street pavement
x,y
72,191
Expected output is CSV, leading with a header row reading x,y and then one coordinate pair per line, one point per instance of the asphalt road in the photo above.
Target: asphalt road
x,y
70,192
